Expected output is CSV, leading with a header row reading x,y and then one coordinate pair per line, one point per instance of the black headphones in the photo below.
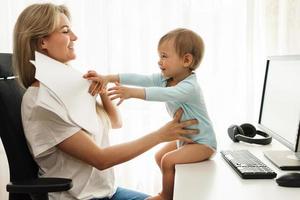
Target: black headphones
x,y
246,133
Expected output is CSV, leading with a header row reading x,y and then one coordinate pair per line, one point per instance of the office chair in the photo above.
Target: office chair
x,y
23,170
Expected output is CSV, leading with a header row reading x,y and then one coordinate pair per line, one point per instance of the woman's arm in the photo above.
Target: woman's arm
x,y
99,87
81,146
112,111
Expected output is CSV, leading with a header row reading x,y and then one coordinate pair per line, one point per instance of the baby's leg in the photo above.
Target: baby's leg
x,y
170,146
189,153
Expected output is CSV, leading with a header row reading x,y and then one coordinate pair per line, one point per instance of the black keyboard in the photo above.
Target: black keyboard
x,y
247,165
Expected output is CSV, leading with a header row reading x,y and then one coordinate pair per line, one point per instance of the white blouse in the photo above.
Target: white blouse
x,y
45,126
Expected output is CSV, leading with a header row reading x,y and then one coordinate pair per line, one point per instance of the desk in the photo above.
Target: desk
x,y
216,180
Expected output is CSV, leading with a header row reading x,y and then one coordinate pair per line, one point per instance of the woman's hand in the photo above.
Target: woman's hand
x,y
176,129
99,82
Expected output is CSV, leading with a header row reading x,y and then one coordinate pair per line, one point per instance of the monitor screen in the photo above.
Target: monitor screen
x,y
280,105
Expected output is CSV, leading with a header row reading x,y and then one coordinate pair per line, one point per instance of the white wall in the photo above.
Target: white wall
x,y
4,173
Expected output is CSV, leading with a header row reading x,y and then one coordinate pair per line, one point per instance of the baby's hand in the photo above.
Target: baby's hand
x,y
99,82
119,91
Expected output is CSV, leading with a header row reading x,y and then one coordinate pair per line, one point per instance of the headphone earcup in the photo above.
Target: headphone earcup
x,y
232,132
248,130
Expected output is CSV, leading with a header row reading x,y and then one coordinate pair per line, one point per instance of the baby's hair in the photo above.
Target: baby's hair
x,y
186,41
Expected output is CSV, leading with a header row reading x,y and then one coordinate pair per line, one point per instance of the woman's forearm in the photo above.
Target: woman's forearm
x,y
112,111
81,145
114,155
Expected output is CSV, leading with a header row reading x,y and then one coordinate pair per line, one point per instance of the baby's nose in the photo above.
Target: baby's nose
x,y
160,62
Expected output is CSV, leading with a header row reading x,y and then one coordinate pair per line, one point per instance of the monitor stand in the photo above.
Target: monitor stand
x,y
285,160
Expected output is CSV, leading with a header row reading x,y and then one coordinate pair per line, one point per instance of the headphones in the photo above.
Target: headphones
x,y
246,133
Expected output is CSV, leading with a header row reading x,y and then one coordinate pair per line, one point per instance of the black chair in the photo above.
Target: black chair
x,y
24,182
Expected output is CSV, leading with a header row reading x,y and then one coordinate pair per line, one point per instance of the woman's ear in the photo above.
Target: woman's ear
x,y
42,44
187,60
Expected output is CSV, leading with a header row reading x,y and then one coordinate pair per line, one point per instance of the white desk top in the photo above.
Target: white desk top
x,y
216,180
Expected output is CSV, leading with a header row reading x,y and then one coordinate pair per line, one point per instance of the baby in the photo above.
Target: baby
x,y
180,53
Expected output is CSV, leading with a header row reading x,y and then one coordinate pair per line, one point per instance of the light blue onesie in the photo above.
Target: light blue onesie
x,y
186,94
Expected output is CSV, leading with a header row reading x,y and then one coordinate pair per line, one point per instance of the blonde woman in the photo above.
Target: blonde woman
x,y
61,148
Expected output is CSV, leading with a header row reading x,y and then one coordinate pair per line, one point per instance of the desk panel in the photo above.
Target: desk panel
x,y
216,180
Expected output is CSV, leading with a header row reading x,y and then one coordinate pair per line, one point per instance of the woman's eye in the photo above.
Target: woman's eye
x,y
66,30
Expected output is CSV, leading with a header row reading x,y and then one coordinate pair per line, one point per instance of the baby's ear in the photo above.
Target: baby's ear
x,y
187,60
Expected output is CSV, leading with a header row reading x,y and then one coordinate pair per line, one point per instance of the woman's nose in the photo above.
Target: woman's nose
x,y
73,36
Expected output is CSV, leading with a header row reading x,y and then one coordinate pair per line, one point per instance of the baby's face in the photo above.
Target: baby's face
x,y
170,64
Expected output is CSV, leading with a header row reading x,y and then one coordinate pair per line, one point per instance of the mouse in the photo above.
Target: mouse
x,y
289,180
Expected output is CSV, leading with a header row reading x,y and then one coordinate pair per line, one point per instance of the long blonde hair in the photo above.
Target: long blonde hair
x,y
35,22
103,116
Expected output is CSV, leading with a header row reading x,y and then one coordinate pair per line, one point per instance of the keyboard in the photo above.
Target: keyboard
x,y
247,165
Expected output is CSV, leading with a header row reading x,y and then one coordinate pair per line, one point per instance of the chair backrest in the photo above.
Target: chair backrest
x,y
21,164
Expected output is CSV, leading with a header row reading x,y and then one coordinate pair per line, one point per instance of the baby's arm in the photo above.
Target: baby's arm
x,y
123,93
155,90
182,92
99,82
140,79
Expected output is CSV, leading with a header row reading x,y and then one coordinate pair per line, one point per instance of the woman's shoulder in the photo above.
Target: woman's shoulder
x,y
30,96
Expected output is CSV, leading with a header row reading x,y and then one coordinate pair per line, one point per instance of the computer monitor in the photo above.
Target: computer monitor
x,y
280,109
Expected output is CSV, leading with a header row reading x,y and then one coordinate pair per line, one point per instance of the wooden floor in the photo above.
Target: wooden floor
x,y
4,174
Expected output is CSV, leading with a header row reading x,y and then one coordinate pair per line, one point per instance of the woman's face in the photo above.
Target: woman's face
x,y
59,45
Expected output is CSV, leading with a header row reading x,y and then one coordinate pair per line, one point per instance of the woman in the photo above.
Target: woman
x,y
61,148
